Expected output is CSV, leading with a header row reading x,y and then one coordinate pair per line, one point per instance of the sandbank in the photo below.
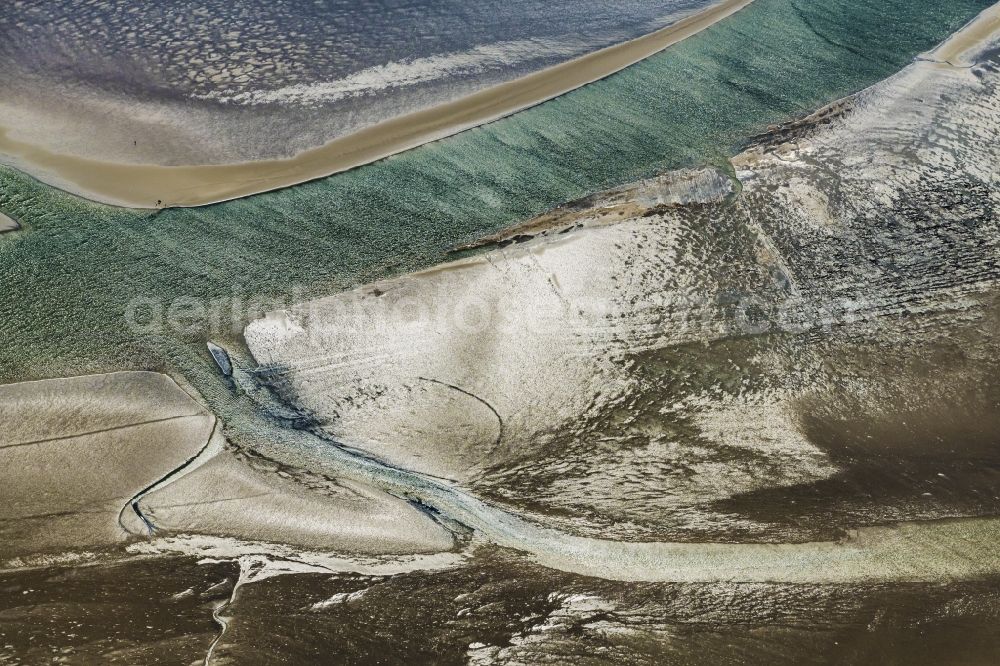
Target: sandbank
x,y
152,186
252,499
74,451
92,462
512,348
973,37
8,224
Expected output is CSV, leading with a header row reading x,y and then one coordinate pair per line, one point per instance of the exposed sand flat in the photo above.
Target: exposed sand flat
x,y
77,406
7,224
73,452
249,500
582,373
972,38
142,186
931,551
76,453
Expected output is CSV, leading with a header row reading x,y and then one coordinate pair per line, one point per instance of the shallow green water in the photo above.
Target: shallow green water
x,y
68,276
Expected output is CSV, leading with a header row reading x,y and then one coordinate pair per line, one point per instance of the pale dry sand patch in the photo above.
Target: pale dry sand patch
x,y
967,42
8,224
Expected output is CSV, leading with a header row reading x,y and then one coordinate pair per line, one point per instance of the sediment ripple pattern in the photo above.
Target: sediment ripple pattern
x,y
813,354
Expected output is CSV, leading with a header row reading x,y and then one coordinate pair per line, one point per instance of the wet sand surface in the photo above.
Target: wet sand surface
x,y
152,186
251,499
770,394
7,224
233,81
143,612
95,462
496,610
499,610
954,49
74,452
653,371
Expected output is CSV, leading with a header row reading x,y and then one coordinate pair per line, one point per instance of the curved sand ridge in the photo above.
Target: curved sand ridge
x,y
331,360
151,186
962,46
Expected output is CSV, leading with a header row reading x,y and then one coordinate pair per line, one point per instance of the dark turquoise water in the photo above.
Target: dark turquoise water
x,y
69,275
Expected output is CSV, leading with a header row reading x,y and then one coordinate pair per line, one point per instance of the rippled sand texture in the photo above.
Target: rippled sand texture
x,y
74,452
501,611
817,353
686,105
779,358
496,610
91,463
210,82
155,186
255,500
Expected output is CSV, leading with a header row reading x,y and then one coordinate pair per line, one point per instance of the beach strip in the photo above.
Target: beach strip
x,y
154,186
976,35
8,224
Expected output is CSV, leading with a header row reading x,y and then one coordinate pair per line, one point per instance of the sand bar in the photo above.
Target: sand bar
x,y
8,224
74,451
93,461
544,358
976,35
150,186
244,499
